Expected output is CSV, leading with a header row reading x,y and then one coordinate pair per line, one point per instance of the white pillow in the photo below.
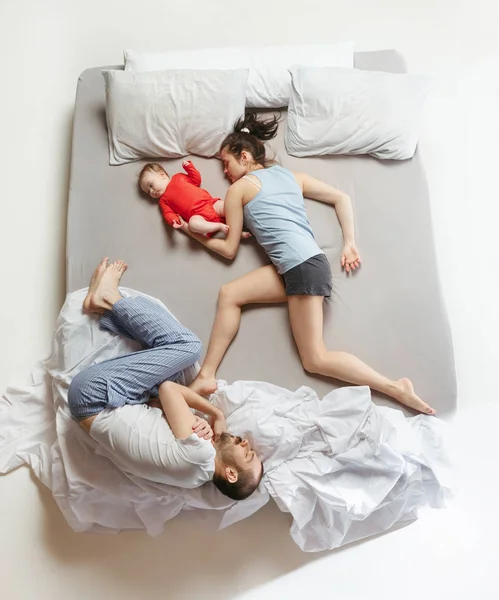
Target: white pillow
x,y
348,111
269,81
169,114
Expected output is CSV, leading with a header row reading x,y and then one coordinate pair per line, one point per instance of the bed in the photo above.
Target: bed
x,y
343,467
391,314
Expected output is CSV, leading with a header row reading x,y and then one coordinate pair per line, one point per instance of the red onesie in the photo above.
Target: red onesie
x,y
184,197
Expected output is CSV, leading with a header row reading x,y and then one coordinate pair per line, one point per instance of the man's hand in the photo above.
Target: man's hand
x,y
350,258
219,426
202,428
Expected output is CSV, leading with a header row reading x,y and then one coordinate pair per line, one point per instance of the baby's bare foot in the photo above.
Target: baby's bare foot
x,y
245,235
407,396
204,386
97,274
106,292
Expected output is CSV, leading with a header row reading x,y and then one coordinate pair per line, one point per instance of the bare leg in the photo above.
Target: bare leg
x,y
260,286
198,224
106,292
306,316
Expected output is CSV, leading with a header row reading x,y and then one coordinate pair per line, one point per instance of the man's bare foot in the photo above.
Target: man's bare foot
x,y
106,293
97,274
407,396
204,386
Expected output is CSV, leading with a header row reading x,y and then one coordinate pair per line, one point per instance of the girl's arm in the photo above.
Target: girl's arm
x,y
234,218
318,190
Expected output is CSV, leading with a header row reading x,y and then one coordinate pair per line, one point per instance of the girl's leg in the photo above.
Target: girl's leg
x,y
262,286
199,224
306,316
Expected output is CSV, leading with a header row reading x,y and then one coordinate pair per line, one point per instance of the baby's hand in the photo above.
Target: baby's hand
x,y
179,224
185,163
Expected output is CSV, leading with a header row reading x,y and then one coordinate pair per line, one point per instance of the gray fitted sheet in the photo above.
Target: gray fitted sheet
x,y
390,314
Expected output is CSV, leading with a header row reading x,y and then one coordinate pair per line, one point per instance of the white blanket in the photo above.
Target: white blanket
x,y
344,468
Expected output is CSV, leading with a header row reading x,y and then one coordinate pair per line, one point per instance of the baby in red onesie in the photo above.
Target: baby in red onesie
x,y
182,196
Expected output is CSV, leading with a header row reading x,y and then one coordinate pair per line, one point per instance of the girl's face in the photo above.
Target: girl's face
x,y
154,183
235,168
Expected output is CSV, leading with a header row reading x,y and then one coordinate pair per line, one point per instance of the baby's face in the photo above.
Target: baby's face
x,y
154,184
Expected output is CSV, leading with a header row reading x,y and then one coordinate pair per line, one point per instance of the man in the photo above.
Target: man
x,y
176,450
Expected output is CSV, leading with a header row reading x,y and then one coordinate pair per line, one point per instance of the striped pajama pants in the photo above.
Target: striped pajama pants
x,y
169,348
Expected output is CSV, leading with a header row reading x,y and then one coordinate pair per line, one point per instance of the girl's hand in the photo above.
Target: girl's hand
x,y
202,428
350,258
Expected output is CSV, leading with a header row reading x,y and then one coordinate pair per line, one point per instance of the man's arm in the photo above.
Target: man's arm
x,y
234,218
177,401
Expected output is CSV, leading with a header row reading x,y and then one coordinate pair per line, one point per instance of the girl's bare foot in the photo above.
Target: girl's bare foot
x,y
204,386
407,396
106,293
97,274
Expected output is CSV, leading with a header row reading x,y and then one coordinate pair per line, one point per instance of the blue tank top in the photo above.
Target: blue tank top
x,y
277,218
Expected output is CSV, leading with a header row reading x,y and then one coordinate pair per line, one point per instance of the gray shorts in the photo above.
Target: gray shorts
x,y
310,278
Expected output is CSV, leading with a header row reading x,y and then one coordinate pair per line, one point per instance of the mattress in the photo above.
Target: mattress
x,y
390,313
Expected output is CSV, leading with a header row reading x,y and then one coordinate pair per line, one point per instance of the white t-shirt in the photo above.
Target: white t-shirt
x,y
140,442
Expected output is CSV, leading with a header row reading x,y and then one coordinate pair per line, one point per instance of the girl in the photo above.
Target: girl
x,y
270,200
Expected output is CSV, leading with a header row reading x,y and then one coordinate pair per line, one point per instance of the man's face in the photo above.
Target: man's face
x,y
237,451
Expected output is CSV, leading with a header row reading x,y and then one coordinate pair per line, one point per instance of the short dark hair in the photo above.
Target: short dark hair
x,y
256,131
245,485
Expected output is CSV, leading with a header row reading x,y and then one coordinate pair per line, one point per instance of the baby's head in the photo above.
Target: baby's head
x,y
153,180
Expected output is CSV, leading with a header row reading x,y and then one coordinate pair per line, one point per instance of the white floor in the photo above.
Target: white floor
x,y
44,45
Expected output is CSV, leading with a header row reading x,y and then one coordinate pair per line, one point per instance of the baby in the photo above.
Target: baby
x,y
181,196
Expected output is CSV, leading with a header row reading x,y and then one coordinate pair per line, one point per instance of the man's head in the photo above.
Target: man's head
x,y
153,180
238,470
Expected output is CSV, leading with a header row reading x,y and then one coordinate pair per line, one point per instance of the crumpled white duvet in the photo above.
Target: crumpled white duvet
x,y
344,468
